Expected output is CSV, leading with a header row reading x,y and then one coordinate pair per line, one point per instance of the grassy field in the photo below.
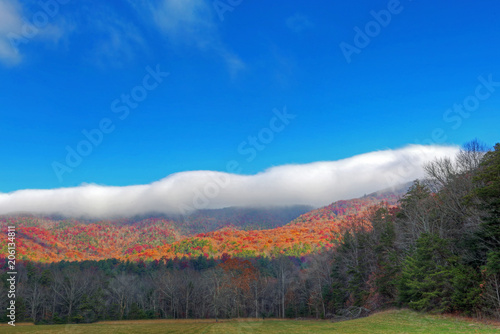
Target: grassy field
x,y
395,321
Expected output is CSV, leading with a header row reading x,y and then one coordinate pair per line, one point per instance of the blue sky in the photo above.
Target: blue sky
x,y
232,70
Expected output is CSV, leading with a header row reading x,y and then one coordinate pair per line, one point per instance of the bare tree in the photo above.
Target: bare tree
x,y
166,282
70,285
216,290
120,289
284,271
319,276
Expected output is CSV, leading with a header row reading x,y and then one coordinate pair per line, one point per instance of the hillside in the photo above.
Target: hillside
x,y
354,206
203,221
239,232
46,240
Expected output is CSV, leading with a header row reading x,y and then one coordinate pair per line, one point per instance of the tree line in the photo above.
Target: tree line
x,y
89,291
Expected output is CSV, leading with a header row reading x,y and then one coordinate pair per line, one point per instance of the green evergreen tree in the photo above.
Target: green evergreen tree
x,y
386,255
489,192
466,295
425,283
339,292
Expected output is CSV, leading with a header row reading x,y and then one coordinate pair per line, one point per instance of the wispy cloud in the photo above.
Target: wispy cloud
x,y
10,23
18,27
192,23
117,40
315,184
189,21
298,23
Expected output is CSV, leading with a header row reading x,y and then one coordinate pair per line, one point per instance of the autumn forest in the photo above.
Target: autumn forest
x,y
432,245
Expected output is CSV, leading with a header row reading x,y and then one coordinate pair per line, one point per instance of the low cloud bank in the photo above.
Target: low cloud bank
x,y
316,184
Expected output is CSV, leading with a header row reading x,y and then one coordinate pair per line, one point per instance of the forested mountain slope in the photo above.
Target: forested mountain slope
x,y
232,231
354,206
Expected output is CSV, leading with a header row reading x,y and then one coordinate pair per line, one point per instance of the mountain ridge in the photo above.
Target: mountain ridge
x,y
242,232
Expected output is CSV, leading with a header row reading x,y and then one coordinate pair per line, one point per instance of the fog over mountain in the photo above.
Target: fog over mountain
x,y
315,184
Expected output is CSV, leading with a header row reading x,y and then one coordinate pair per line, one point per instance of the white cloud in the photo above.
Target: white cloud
x,y
10,23
186,20
192,23
316,184
117,39
17,28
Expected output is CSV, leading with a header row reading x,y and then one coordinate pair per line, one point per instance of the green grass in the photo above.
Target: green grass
x,y
395,321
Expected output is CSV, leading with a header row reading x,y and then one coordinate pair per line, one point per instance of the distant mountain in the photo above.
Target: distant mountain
x,y
208,220
47,240
203,221
244,232
313,231
354,206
